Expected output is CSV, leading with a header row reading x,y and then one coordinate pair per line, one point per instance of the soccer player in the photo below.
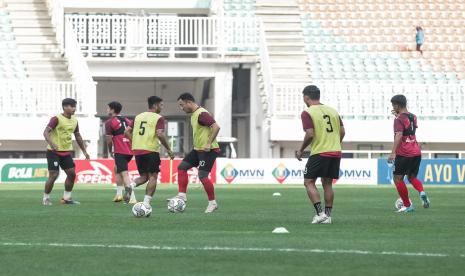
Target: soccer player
x,y
120,148
146,133
60,147
406,153
324,132
206,150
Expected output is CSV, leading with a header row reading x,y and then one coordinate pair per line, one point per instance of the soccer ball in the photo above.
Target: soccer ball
x,y
141,209
399,203
176,205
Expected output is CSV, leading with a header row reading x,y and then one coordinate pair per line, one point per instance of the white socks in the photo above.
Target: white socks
x,y
133,195
46,196
67,195
132,185
212,201
147,199
119,190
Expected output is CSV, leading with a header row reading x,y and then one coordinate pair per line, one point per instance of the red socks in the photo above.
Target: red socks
x,y
403,192
209,188
182,181
416,184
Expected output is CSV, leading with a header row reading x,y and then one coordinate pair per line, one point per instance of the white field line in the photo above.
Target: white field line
x,y
220,248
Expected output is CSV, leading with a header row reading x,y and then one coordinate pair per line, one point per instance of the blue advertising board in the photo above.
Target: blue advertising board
x,y
432,171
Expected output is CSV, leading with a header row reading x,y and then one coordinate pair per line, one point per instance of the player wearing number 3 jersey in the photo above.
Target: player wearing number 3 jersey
x,y
324,132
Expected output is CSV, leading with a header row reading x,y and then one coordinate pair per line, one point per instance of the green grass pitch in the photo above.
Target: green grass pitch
x,y
100,237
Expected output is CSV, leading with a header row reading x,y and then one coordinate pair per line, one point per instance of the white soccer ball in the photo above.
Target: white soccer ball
x,y
141,209
176,205
399,203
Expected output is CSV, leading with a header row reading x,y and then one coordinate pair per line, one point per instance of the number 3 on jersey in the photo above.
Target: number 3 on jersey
x,y
328,121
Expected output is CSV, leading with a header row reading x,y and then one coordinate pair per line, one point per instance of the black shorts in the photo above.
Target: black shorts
x,y
148,163
407,165
322,166
55,161
121,162
204,160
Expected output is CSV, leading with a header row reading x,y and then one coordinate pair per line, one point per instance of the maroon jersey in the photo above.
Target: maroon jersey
x,y
115,127
406,123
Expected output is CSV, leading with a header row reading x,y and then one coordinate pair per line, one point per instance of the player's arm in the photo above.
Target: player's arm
x,y
109,140
128,133
309,133
215,130
109,137
397,140
342,131
307,125
162,137
80,142
47,138
51,125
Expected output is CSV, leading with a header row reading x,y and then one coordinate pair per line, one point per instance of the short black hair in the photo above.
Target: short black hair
x,y
186,97
153,100
312,91
116,106
400,100
68,101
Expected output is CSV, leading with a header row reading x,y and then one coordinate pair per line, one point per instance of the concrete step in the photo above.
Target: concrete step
x,y
35,40
26,1
27,23
288,53
281,19
52,61
39,48
283,25
24,6
284,37
277,12
297,47
34,31
30,15
39,55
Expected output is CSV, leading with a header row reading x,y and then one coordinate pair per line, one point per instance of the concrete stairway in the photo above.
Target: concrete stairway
x,y
285,40
36,39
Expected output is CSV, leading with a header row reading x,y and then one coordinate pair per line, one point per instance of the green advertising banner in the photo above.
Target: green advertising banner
x,y
24,172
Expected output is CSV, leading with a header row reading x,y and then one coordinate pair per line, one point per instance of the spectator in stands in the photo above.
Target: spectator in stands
x,y
420,38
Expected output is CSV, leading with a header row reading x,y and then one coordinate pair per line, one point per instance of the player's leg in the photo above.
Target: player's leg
x,y
143,168
311,173
153,167
206,162
189,161
53,172
332,166
67,164
416,183
119,187
400,170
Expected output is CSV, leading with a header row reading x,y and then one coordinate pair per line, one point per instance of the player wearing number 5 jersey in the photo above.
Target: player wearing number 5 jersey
x,y
146,133
324,132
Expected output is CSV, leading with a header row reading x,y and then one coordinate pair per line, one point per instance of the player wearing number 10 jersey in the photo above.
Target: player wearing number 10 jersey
x,y
324,132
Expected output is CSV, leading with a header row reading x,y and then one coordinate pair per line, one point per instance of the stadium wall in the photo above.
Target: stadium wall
x,y
241,171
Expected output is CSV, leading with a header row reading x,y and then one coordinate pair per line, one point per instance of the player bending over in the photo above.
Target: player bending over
x,y
146,133
324,132
205,152
120,148
60,147
406,153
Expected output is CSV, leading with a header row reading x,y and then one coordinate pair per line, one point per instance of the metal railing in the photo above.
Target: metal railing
x,y
429,154
373,101
41,97
145,37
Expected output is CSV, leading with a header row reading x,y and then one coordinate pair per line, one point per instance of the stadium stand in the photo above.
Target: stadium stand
x,y
375,40
10,65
